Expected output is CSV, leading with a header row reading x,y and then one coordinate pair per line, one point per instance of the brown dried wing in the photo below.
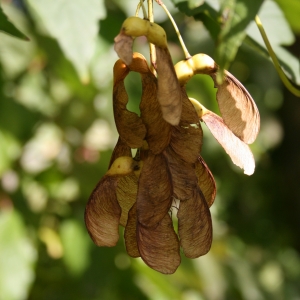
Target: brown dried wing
x,y
194,226
183,175
129,125
238,109
103,212
155,191
123,47
121,149
158,130
186,139
238,151
168,93
159,246
126,195
206,181
130,235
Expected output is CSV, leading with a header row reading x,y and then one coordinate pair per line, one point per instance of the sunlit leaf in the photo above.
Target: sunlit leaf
x,y
17,257
291,10
155,191
194,226
9,28
272,17
75,25
236,15
75,246
206,181
238,151
159,246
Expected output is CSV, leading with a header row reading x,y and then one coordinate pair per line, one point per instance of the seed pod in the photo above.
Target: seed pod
x,y
129,125
238,151
155,191
194,226
186,139
169,93
103,212
237,107
206,181
159,246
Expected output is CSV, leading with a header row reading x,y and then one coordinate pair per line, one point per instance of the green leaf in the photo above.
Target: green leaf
x,y
75,25
9,28
76,246
291,10
195,3
17,257
236,16
272,17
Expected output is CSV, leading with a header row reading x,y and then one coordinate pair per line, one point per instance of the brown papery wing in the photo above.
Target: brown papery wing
x,y
238,151
126,195
159,246
158,130
130,234
206,181
238,109
183,175
168,93
194,226
121,149
186,139
129,125
103,212
155,191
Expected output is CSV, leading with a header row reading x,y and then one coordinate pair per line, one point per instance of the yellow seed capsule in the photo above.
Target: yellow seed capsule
x,y
135,27
122,165
197,64
200,109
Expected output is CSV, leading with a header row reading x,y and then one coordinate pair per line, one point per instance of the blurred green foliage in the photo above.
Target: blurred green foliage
x,y
57,133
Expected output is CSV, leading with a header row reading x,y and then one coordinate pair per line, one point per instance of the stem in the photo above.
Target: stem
x,y
276,63
183,46
151,46
139,6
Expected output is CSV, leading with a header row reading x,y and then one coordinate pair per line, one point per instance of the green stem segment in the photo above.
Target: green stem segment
x,y
276,63
184,48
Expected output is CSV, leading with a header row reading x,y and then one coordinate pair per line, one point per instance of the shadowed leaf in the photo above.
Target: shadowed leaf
x,y
206,181
238,109
159,246
194,226
9,28
155,191
238,151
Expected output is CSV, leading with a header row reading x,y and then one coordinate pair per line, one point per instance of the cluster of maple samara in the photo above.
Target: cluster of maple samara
x,y
167,173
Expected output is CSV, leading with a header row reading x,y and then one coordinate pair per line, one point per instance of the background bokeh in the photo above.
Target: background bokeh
x,y
56,136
